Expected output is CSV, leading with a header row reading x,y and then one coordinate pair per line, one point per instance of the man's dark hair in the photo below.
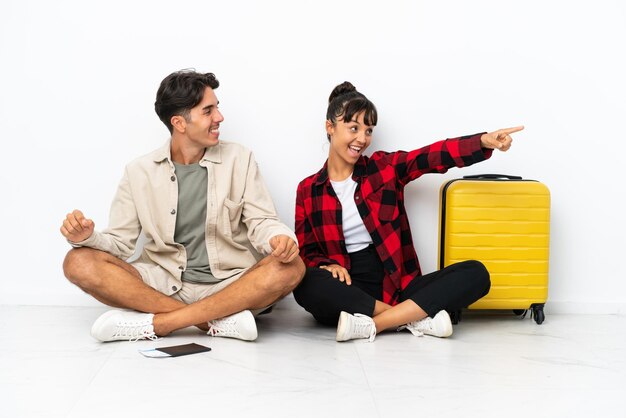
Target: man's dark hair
x,y
179,92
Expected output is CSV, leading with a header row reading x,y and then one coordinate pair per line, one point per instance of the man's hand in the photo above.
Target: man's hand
x,y
76,227
500,139
285,249
338,272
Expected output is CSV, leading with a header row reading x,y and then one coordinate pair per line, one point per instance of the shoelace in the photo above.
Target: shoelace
x,y
135,331
225,327
417,328
361,324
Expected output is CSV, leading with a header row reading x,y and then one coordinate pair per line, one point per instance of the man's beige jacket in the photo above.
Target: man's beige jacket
x,y
241,217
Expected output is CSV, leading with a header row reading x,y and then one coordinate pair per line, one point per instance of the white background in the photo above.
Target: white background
x,y
78,81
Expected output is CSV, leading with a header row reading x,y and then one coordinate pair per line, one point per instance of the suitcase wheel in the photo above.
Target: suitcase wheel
x,y
537,313
519,312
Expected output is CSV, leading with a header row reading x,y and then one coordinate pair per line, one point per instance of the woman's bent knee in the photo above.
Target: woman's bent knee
x,y
306,286
479,274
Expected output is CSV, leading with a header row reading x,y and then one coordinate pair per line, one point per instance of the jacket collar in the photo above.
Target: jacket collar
x,y
211,154
321,176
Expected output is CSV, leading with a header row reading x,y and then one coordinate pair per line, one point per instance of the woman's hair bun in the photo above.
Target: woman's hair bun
x,y
343,88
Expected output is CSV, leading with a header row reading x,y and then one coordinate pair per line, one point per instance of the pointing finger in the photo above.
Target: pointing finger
x,y
508,131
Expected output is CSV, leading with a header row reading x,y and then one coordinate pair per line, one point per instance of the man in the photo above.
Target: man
x,y
207,218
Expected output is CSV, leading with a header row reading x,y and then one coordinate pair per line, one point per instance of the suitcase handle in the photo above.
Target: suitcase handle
x,y
492,176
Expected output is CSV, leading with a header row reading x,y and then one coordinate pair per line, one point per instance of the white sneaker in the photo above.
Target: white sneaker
x,y
123,326
438,326
240,325
355,326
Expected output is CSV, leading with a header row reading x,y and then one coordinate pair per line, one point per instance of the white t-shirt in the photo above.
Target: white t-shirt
x,y
354,231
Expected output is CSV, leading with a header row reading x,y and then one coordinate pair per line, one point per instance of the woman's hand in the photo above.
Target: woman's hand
x,y
500,139
338,272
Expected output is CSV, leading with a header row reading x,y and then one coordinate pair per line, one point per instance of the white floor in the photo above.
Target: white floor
x,y
495,365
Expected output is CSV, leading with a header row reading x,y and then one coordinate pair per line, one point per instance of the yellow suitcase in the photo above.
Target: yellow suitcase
x,y
504,222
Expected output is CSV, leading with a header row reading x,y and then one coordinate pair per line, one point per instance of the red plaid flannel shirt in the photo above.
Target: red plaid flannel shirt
x,y
380,200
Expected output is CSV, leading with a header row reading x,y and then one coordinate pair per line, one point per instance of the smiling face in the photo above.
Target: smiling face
x,y
200,127
203,121
348,140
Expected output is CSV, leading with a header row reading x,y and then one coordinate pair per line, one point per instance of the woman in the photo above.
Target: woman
x,y
363,273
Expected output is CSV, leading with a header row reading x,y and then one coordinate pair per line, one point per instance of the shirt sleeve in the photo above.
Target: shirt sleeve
x,y
438,157
310,251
